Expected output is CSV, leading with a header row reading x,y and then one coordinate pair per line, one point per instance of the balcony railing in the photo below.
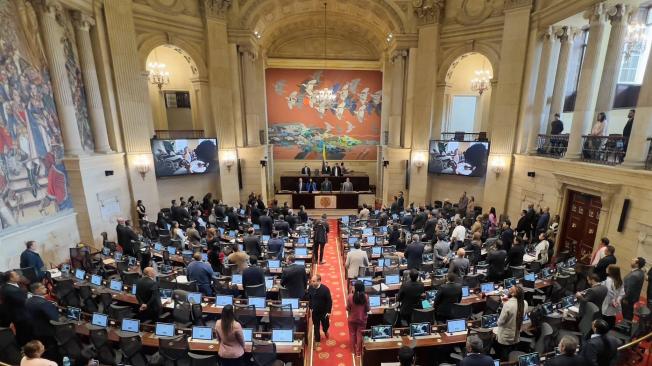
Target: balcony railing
x,y
464,136
179,134
648,161
553,146
606,150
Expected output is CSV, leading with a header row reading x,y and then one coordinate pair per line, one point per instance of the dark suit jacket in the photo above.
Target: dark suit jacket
x,y
30,259
414,255
292,221
382,219
515,255
253,276
14,299
234,221
401,203
252,245
305,170
600,351
326,186
125,236
39,312
275,245
410,296
601,267
563,360
303,217
476,359
420,220
430,228
282,226
507,237
596,295
311,187
266,224
295,279
633,283
147,293
449,294
496,262
320,300
336,171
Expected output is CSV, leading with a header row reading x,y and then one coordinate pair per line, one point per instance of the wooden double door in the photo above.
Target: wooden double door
x,y
580,225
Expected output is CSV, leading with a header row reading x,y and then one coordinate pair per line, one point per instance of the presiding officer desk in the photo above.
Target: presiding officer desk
x,y
290,181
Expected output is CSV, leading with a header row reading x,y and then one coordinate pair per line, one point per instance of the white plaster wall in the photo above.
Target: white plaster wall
x,y
170,188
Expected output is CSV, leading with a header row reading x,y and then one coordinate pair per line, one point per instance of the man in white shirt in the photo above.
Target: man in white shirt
x,y
364,213
355,259
541,250
459,233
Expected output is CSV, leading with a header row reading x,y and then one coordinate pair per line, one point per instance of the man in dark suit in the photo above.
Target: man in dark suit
x,y
320,237
252,243
393,208
294,278
326,185
601,349
595,294
291,219
449,294
568,353
305,170
383,218
276,245
336,171
609,258
325,169
321,304
430,227
311,186
507,236
31,259
496,263
633,284
420,219
414,253
14,298
234,220
302,215
474,353
148,296
39,312
515,254
410,295
253,275
125,237
266,224
401,201
282,226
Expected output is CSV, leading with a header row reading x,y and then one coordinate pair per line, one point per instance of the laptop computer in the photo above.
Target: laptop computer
x,y
100,320
158,247
568,301
165,293
371,240
130,325
248,334
487,287
381,332
420,329
392,279
73,313
456,327
352,240
96,280
282,335
164,330
134,289
80,274
273,263
269,283
302,240
265,238
65,268
344,219
194,298
489,321
106,251
223,300
258,302
117,256
549,308
509,282
374,301
368,231
291,301
233,233
172,250
571,262
465,291
236,279
530,277
202,333
376,250
530,359
300,251
116,285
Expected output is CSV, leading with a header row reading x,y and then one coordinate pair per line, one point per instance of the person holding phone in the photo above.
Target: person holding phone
x,y
357,305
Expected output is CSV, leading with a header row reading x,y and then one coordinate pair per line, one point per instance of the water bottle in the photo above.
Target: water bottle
x,y
66,361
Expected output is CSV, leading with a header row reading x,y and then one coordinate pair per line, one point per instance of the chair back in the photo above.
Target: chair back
x,y
103,349
390,316
246,315
190,286
461,311
281,317
590,313
131,347
423,315
182,312
66,338
105,299
202,360
64,290
473,281
129,278
9,350
518,271
173,349
119,312
541,345
197,314
284,293
256,291
263,353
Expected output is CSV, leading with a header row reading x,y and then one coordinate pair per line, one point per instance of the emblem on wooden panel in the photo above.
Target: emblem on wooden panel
x,y
580,210
574,208
573,225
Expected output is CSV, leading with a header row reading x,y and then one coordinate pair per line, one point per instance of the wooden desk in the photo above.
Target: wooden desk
x,y
375,352
344,200
290,181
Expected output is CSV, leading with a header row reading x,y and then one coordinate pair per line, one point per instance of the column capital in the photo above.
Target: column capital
x,y
403,53
249,51
51,8
617,13
547,34
82,21
403,41
428,11
216,9
596,14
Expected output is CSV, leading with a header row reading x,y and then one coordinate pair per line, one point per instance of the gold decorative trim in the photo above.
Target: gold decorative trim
x,y
280,63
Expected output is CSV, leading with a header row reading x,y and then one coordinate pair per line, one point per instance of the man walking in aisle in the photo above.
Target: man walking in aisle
x,y
320,231
321,305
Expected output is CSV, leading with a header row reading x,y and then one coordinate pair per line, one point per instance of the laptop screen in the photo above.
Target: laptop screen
x,y
236,279
291,301
158,247
73,313
546,272
345,219
164,329
420,329
548,307
223,300
489,321
496,362
302,240
248,334
172,250
530,277
232,233
381,331
371,240
353,240
465,291
458,325
130,325
367,231
531,359
571,262
100,320
194,298
256,227
117,256
96,280
65,268
116,285
221,230
487,287
273,263
80,274
106,251
265,238
568,301
374,301
509,282
258,302
376,250
301,251
282,335
133,289
165,293
202,333
392,279
269,283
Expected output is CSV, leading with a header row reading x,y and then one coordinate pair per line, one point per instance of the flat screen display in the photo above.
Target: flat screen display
x,y
236,279
223,300
291,301
467,158
175,157
116,285
273,263
487,287
381,332
301,252
96,280
130,325
202,333
567,302
376,250
372,240
531,359
374,301
282,335
164,330
80,274
509,282
258,302
194,298
73,313
530,277
248,334
458,325
392,279
100,320
489,321
465,291
419,329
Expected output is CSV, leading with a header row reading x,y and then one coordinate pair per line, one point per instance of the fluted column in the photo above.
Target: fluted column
x,y
82,25
613,59
250,78
52,34
566,36
539,117
638,146
200,86
397,65
588,84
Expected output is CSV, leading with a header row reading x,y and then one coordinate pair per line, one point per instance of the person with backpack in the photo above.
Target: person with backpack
x,y
320,232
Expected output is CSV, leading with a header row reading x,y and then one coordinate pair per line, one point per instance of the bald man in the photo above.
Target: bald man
x,y
148,296
459,265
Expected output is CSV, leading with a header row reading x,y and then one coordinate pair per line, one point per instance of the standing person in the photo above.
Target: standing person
x,y
599,129
459,265
508,331
357,305
320,237
611,303
302,215
544,219
600,252
515,254
470,208
355,259
305,170
125,236
601,349
414,253
609,258
347,186
231,337
595,294
459,234
493,222
449,294
556,126
410,295
462,204
401,202
321,305
294,278
32,352
507,235
496,262
148,296
30,258
200,272
336,171
474,353
140,210
40,312
541,250
252,243
14,298
627,130
633,285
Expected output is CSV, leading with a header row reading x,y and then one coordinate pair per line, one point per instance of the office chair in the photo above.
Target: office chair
x,y
174,350
423,315
9,351
119,312
104,300
202,360
461,311
517,272
472,281
166,283
104,352
246,316
190,286
68,343
256,291
64,290
533,267
283,292
281,317
122,266
129,278
87,302
390,316
131,347
197,315
264,354
182,314
588,313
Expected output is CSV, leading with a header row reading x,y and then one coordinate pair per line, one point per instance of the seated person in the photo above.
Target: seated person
x,y
568,353
32,351
474,353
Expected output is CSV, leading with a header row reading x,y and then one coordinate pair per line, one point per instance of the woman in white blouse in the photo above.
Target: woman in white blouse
x,y
615,293
177,232
541,250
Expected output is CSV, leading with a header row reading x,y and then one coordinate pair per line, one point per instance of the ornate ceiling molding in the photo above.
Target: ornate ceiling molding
x,y
516,4
428,11
605,190
216,8
468,15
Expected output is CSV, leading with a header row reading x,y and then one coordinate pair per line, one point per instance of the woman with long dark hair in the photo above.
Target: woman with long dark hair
x,y
510,321
615,293
357,305
231,338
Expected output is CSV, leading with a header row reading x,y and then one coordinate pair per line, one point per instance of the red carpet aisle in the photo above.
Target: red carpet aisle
x,y
334,351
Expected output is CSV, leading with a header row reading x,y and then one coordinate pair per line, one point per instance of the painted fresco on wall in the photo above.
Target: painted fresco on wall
x,y
312,113
33,180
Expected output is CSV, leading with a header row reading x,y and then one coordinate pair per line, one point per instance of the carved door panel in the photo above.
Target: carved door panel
x,y
580,225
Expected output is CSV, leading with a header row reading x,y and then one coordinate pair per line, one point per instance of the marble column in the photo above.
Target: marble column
x,y
588,85
249,61
566,36
200,86
52,35
613,59
83,23
539,117
397,61
639,146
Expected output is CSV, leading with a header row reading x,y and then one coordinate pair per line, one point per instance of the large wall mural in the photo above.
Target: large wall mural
x,y
312,112
33,180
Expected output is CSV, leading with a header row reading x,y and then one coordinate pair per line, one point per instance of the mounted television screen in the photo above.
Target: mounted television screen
x,y
467,158
173,157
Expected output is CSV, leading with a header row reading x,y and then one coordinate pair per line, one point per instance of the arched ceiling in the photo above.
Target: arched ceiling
x,y
361,25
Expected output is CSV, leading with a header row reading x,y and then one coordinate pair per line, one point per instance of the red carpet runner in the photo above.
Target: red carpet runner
x,y
334,351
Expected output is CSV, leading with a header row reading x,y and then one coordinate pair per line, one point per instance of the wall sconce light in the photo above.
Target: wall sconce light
x,y
498,164
419,160
229,159
142,165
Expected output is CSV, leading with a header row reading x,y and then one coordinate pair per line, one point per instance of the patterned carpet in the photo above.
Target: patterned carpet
x,y
334,351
